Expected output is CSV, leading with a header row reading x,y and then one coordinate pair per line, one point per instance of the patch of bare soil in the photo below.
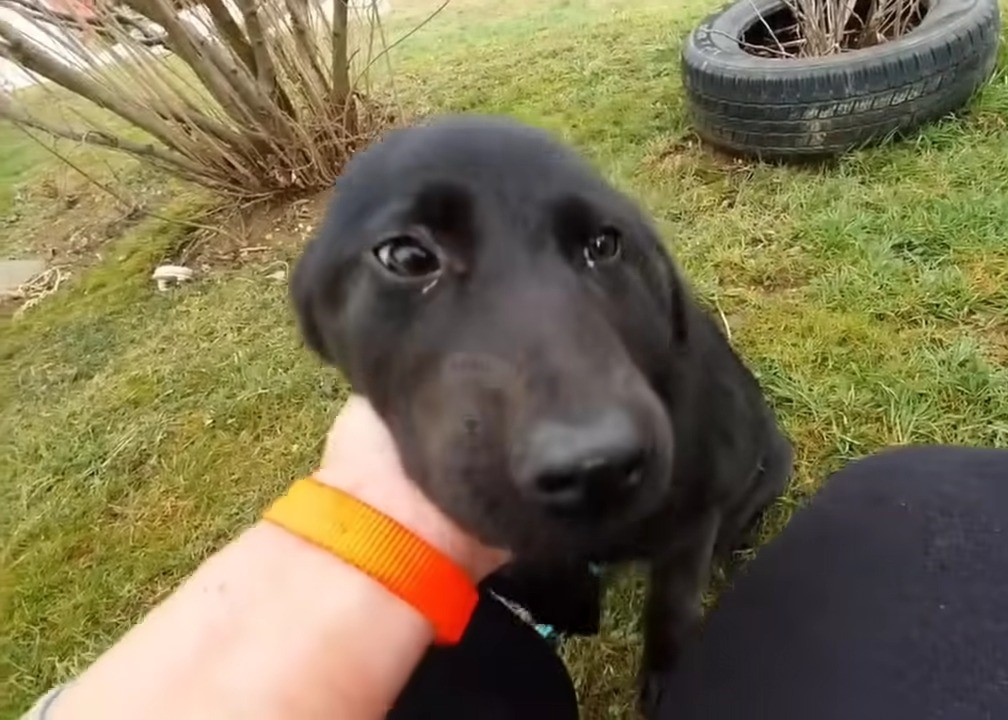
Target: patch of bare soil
x,y
993,332
263,235
688,154
68,226
67,223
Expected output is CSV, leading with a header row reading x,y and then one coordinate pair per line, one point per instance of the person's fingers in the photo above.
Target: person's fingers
x,y
360,457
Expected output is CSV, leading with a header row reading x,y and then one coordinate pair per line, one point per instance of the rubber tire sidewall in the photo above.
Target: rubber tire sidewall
x,y
718,71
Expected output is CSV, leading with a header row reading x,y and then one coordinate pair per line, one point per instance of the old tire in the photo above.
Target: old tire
x,y
799,108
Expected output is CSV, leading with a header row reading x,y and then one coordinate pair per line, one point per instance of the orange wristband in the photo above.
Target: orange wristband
x,y
379,546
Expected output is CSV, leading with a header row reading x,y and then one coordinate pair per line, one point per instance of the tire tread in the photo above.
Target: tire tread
x,y
813,112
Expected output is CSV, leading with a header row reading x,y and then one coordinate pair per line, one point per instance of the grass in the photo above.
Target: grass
x,y
141,430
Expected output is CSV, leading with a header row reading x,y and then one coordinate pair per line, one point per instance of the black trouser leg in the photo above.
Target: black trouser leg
x,y
885,599
501,670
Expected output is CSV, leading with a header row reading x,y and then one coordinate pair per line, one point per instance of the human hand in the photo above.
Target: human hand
x,y
360,458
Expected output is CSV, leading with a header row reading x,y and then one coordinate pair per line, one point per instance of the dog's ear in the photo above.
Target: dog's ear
x,y
679,317
302,295
673,285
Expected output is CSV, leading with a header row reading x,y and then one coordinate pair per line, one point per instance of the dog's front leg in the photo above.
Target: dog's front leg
x,y
674,605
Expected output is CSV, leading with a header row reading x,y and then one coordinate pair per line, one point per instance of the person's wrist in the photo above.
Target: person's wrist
x,y
361,459
408,506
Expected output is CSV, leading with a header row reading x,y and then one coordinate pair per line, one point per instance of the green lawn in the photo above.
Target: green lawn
x,y
140,430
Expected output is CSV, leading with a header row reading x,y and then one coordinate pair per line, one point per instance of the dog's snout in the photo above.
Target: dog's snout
x,y
585,467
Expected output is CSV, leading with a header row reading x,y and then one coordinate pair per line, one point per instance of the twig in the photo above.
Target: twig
x,y
388,59
210,111
385,51
36,11
119,198
38,288
767,26
724,320
761,48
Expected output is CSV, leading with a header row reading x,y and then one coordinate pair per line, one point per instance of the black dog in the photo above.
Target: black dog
x,y
548,379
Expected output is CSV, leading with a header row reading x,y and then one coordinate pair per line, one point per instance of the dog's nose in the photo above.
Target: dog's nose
x,y
587,467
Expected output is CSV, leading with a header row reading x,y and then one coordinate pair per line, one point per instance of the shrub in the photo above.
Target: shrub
x,y
247,97
815,28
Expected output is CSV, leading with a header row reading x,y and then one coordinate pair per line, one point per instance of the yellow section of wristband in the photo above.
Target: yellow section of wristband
x,y
377,545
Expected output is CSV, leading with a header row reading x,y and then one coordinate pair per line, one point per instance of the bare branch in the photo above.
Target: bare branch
x,y
231,32
263,65
305,45
249,105
35,10
340,61
30,56
182,39
388,48
100,138
829,27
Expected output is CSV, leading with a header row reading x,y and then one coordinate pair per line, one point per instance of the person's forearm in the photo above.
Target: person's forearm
x,y
269,627
272,627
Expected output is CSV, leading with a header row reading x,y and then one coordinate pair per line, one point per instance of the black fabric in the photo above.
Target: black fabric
x,y
886,598
567,597
502,669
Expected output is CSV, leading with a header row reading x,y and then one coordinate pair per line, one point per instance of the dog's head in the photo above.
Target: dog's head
x,y
512,318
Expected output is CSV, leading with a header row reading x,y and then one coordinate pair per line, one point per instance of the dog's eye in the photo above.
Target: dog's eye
x,y
604,246
407,257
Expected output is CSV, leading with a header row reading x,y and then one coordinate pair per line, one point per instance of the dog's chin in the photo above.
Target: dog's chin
x,y
531,532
